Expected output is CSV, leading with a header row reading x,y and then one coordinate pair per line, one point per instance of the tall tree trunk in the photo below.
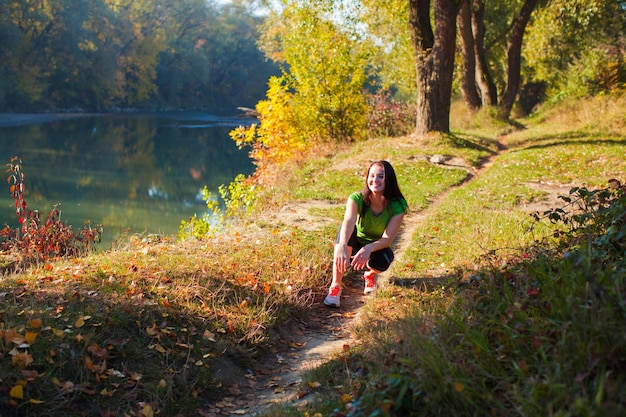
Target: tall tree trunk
x,y
468,80
514,53
488,90
434,62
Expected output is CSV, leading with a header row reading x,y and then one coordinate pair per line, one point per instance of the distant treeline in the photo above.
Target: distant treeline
x,y
102,55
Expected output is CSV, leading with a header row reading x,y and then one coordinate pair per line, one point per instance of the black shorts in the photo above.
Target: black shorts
x,y
380,260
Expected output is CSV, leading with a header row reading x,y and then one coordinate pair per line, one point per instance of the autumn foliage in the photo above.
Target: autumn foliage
x,y
275,139
39,239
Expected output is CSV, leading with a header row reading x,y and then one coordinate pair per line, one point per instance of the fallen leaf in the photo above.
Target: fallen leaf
x,y
31,336
79,322
152,331
98,351
30,374
17,392
208,336
22,359
147,411
35,323
12,336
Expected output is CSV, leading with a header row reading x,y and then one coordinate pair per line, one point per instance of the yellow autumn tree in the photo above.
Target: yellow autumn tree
x,y
275,139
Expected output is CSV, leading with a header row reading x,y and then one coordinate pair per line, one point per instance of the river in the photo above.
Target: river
x,y
131,173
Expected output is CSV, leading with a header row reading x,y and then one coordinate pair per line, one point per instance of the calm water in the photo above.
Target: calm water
x,y
137,173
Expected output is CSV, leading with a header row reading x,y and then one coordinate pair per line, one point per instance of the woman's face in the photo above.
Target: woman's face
x,y
376,179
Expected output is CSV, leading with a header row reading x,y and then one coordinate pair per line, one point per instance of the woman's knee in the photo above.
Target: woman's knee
x,y
381,260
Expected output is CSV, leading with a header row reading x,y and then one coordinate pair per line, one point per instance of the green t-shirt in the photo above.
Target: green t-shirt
x,y
370,228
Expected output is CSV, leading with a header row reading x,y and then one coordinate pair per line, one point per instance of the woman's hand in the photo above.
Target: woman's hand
x,y
342,258
359,261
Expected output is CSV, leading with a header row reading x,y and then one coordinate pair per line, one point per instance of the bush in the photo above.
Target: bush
x,y
238,198
36,239
387,116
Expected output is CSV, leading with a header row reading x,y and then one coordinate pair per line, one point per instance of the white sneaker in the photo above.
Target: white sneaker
x,y
334,294
371,282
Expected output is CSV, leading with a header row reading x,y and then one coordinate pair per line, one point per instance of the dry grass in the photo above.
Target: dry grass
x,y
162,326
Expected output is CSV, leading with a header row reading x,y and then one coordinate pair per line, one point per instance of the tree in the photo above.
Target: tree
x,y
514,53
468,47
476,76
577,47
324,67
100,54
434,61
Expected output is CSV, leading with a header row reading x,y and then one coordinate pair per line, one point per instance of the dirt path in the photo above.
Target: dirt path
x,y
323,336
327,331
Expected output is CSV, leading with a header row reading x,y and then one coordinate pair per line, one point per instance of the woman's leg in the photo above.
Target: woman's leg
x,y
379,262
338,275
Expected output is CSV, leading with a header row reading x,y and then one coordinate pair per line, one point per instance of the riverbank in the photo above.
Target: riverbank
x,y
208,120
24,119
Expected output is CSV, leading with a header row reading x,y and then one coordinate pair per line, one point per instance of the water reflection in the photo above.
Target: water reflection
x,y
141,172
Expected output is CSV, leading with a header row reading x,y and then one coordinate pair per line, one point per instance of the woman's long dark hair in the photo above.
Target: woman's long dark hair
x,y
392,189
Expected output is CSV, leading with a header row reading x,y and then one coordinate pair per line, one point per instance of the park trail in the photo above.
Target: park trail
x,y
327,331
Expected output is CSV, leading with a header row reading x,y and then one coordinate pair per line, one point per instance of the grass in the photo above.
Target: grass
x,y
478,319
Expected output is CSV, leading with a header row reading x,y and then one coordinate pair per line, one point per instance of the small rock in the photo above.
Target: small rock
x,y
437,159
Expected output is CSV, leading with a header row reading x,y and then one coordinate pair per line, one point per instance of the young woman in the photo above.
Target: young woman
x,y
370,224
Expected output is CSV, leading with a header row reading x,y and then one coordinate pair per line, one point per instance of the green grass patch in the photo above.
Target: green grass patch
x,y
483,315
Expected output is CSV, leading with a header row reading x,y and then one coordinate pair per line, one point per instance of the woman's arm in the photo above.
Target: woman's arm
x,y
362,256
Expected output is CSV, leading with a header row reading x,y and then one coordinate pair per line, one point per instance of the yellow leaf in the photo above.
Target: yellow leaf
x,y
315,384
79,322
34,401
147,411
17,392
30,337
160,348
346,398
459,387
58,332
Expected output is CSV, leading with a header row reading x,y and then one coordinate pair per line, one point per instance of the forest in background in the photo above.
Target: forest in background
x,y
104,55
329,58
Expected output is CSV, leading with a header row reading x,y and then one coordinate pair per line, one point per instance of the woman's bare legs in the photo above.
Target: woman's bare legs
x,y
333,298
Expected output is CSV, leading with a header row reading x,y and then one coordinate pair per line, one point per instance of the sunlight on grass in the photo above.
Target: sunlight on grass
x,y
479,314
